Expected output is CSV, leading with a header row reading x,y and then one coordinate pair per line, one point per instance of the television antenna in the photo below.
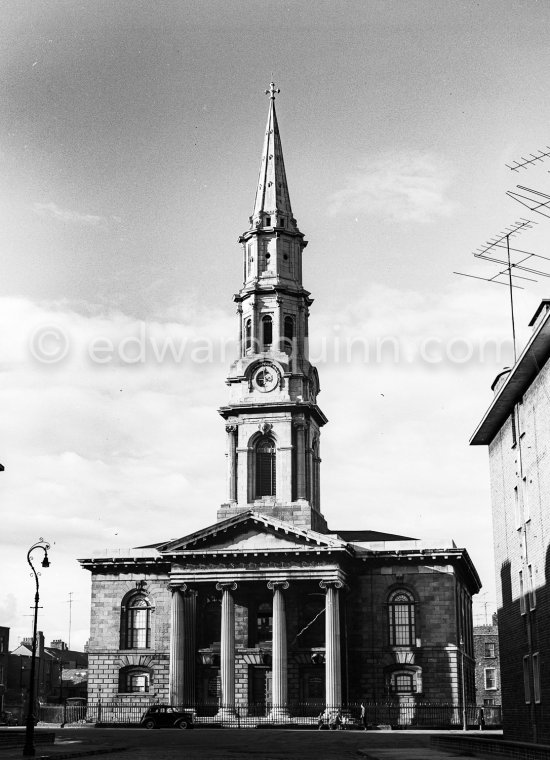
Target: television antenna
x,y
489,251
523,163
535,200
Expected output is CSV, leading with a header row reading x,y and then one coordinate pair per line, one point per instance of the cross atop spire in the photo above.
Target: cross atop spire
x,y
272,90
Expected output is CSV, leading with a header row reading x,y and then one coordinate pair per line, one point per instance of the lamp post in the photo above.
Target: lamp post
x,y
28,749
463,684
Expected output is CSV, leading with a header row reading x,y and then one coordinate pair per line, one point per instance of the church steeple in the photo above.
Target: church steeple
x,y
273,421
272,205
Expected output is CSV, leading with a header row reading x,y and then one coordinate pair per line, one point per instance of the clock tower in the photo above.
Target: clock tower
x,y
272,419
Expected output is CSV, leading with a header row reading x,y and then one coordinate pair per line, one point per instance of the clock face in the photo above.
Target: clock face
x,y
265,379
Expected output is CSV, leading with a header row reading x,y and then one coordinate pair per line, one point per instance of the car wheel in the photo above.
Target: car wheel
x,y
181,724
149,723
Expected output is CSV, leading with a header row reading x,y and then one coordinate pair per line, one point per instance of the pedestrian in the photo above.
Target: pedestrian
x,y
364,716
481,719
321,720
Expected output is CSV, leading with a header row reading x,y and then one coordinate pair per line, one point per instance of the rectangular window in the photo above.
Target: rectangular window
x,y
521,594
1,674
532,596
489,649
1,643
526,684
536,678
514,433
525,500
138,683
517,508
490,679
489,702
403,683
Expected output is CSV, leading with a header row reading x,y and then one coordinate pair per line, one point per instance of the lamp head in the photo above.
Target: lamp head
x,y
45,561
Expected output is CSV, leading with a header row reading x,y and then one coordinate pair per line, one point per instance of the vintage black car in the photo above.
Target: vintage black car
x,y
164,716
7,718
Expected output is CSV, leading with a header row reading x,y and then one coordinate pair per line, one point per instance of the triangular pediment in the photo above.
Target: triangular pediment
x,y
250,532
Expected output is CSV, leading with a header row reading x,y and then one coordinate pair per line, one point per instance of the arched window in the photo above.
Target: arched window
x,y
137,628
265,467
288,335
401,618
267,332
247,335
134,681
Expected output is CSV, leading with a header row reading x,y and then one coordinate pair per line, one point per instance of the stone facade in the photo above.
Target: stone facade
x,y
515,428
268,608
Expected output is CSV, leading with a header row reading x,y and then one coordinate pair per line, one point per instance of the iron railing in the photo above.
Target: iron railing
x,y
300,714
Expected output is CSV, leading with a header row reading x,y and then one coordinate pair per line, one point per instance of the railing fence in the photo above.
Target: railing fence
x,y
376,714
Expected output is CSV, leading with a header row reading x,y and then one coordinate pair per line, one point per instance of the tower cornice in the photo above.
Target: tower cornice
x,y
309,410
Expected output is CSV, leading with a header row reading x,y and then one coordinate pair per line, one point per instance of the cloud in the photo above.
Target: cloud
x,y
53,211
400,187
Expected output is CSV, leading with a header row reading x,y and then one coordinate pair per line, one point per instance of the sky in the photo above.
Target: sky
x,y
130,143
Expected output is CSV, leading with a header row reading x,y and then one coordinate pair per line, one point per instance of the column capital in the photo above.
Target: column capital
x,y
182,587
231,428
331,584
273,585
226,586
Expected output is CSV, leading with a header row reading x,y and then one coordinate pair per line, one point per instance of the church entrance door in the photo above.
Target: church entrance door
x,y
260,690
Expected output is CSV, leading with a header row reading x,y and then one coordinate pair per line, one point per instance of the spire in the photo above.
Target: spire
x,y
272,205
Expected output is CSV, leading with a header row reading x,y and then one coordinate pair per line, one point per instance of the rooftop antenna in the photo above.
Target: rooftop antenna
x,y
489,252
534,201
523,163
70,603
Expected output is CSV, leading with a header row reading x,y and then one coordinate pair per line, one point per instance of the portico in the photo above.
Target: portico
x,y
291,570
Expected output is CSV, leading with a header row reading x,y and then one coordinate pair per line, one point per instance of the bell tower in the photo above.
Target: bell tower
x,y
272,419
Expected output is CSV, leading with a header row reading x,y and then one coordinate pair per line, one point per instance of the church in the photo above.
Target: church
x,y
267,611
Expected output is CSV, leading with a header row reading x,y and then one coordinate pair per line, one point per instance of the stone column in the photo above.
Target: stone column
x,y
279,683
255,327
227,650
300,347
189,653
176,648
333,664
300,460
182,646
231,431
277,325
240,313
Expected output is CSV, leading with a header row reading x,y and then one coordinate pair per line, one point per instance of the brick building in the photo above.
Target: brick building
x,y
487,659
60,673
515,428
268,608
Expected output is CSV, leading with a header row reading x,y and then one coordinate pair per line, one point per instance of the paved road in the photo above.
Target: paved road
x,y
227,744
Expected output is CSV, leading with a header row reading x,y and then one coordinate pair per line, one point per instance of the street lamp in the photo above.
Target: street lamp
x,y
463,684
28,749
